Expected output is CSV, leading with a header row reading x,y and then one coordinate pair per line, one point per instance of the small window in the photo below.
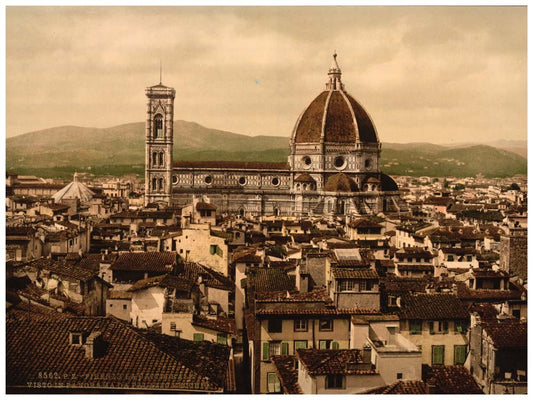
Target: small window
x,y
399,376
368,163
242,181
208,179
347,285
468,258
154,321
75,338
124,306
110,305
339,162
450,257
275,181
222,338
175,179
306,160
325,325
415,327
300,344
300,325
275,325
336,381
324,344
213,249
198,337
274,385
172,326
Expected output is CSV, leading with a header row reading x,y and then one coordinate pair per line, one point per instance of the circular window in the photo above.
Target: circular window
x,y
175,179
275,181
339,162
208,179
306,161
242,180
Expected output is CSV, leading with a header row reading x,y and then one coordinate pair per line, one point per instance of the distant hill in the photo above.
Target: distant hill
x,y
120,149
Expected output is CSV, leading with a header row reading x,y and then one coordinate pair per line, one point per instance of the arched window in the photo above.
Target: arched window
x,y
154,184
154,158
160,183
161,158
158,126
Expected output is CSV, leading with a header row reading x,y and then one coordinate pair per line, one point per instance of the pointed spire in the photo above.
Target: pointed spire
x,y
334,74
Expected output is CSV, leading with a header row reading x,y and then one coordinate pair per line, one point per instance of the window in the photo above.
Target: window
x,y
468,258
274,385
325,325
208,179
198,337
222,338
415,327
275,181
459,354
328,345
275,325
161,159
516,313
75,338
124,306
461,326
274,348
242,180
438,327
399,375
300,325
367,285
110,305
437,355
212,249
300,344
154,158
172,326
335,381
392,301
450,257
347,285
158,126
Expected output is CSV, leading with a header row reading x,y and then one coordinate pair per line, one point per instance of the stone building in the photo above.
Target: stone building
x,y
333,167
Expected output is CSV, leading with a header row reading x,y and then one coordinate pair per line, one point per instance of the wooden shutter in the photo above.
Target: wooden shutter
x,y
334,345
266,351
438,355
284,348
459,357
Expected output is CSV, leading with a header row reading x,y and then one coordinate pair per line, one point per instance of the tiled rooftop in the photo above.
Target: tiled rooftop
x,y
401,387
287,374
453,379
149,261
325,362
432,306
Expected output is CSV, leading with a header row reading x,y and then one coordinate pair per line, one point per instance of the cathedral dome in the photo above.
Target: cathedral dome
x,y
340,183
334,116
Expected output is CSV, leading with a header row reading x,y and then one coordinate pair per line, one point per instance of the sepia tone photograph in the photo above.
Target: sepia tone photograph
x,y
266,199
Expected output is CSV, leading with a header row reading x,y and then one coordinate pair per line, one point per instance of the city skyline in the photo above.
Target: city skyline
x,y
437,74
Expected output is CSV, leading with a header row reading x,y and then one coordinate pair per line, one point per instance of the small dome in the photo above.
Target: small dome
x,y
334,117
340,183
372,180
388,184
304,177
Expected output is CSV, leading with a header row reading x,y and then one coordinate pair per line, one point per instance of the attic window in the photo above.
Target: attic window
x,y
76,338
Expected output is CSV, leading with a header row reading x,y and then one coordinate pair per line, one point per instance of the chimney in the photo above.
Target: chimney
x,y
94,345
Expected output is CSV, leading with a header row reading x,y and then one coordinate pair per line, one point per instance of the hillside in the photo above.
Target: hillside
x,y
118,150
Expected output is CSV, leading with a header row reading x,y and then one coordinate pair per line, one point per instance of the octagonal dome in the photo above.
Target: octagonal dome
x,y
334,116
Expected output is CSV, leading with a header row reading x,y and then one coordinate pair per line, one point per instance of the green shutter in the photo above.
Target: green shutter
x,y
438,355
335,346
198,337
222,338
284,348
219,251
459,354
322,345
432,327
266,351
212,249
300,344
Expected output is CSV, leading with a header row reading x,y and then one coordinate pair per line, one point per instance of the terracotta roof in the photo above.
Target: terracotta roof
x,y
453,379
205,206
458,250
401,387
231,165
128,360
287,374
432,306
62,268
364,223
330,116
145,261
210,277
507,334
354,273
164,281
304,177
119,295
340,183
325,362
415,267
220,324
270,280
311,310
400,285
315,295
388,184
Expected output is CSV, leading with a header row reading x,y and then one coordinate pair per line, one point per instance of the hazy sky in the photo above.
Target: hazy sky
x,y
434,74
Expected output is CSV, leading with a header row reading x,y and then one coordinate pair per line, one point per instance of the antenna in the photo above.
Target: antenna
x,y
160,72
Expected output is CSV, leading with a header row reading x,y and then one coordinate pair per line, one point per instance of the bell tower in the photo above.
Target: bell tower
x,y
159,142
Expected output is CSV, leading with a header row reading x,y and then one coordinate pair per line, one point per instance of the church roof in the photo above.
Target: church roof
x,y
340,183
305,177
74,190
334,116
231,165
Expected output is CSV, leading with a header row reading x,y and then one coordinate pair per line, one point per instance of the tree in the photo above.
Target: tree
x,y
459,186
514,186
